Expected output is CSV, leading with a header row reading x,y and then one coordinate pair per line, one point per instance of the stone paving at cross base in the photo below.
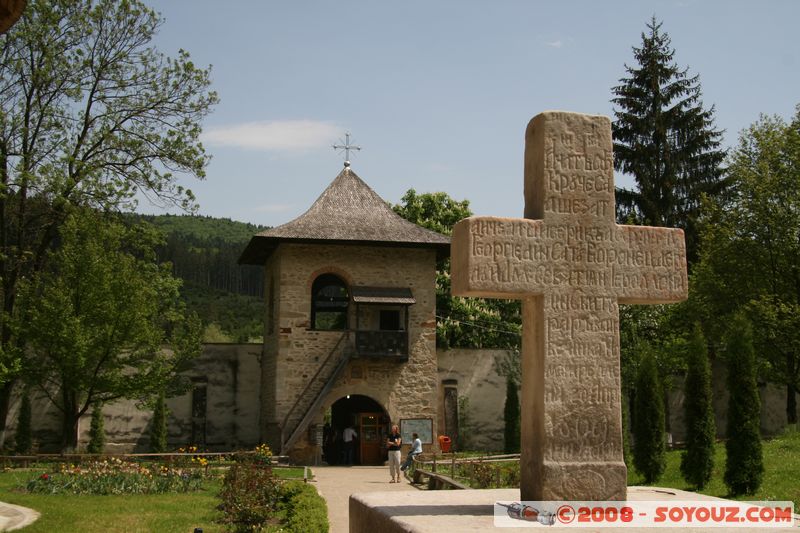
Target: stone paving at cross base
x,y
337,483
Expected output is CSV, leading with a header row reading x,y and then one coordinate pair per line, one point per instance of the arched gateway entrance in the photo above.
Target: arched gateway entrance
x,y
370,421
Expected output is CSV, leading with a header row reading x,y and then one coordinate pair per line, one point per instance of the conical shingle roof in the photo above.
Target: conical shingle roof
x,y
347,212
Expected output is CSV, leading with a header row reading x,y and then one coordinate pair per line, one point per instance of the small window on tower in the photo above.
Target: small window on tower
x,y
329,303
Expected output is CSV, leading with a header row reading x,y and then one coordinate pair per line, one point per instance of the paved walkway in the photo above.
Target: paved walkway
x,y
15,517
337,483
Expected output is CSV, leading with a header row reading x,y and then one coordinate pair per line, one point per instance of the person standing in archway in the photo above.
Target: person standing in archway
x,y
349,436
393,442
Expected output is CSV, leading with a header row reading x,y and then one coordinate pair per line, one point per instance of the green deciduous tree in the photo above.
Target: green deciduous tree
x,y
97,432
750,256
460,322
664,139
90,115
657,330
744,468
697,461
100,320
436,211
511,417
649,443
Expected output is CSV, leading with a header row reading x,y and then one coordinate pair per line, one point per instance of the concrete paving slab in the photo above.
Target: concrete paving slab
x,y
337,483
473,510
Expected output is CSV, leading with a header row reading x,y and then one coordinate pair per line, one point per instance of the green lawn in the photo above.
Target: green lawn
x,y
291,472
781,472
166,513
128,513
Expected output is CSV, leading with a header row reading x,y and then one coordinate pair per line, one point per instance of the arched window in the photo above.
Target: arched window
x,y
329,301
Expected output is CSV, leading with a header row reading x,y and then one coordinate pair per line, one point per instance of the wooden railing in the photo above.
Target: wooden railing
x,y
433,470
371,343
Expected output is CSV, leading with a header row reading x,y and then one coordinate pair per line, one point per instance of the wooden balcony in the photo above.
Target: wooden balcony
x,y
382,344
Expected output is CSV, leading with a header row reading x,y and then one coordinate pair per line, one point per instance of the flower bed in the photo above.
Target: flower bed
x,y
115,476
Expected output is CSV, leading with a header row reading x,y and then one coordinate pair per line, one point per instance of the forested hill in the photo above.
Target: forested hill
x,y
205,229
203,251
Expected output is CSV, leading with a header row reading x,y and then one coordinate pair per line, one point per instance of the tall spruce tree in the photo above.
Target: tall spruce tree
x,y
511,414
697,461
744,468
649,442
665,139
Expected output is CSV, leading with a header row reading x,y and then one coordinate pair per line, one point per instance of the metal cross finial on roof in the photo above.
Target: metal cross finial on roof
x,y
346,147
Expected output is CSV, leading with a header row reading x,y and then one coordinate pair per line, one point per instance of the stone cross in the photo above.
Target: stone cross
x,y
572,266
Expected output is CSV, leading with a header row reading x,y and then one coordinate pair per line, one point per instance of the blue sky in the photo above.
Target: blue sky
x,y
438,93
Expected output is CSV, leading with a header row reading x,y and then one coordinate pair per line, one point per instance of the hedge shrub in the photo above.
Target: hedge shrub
x,y
649,442
744,469
511,416
303,509
697,461
24,438
97,432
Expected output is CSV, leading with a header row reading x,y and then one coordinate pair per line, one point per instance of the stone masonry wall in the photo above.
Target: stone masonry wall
x,y
773,404
269,362
404,389
474,372
233,390
231,375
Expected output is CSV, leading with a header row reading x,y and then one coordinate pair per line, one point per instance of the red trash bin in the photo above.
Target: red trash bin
x,y
444,443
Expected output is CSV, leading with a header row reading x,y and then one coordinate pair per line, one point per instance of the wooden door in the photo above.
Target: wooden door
x,y
372,433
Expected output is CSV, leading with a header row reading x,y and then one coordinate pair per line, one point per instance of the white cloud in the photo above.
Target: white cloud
x,y
274,135
554,44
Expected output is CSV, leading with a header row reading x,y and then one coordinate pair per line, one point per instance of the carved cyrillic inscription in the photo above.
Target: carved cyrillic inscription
x,y
589,395
593,253
529,252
